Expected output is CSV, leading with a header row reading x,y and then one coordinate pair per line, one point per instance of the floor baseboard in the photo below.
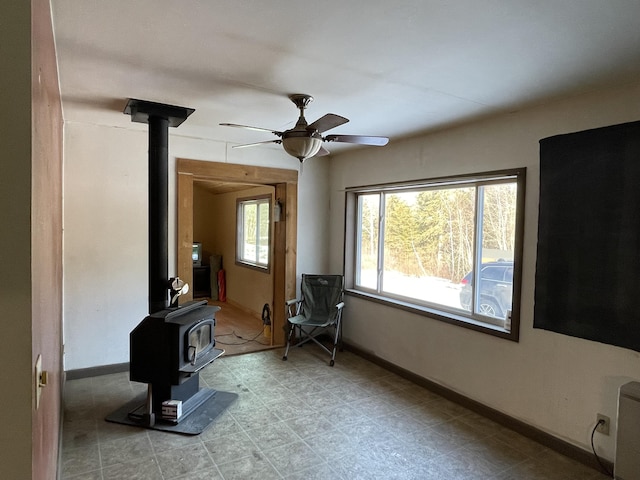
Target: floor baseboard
x,y
96,371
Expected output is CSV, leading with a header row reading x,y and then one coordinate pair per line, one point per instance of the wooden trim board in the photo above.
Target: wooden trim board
x,y
285,235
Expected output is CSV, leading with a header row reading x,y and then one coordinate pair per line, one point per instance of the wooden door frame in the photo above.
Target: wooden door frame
x,y
285,183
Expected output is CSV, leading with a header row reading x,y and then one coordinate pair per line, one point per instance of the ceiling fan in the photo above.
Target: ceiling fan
x,y
305,140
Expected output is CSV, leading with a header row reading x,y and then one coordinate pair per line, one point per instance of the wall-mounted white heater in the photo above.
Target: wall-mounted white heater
x,y
627,465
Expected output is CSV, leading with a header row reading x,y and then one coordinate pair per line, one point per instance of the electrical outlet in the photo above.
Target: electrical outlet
x,y
603,424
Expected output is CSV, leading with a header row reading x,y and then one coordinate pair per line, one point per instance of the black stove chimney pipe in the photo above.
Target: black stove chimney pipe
x,y
158,213
159,117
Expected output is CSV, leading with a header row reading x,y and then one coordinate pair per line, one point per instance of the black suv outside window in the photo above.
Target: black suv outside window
x,y
495,294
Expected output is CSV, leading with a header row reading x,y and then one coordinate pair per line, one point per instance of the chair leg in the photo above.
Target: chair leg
x,y
335,342
286,352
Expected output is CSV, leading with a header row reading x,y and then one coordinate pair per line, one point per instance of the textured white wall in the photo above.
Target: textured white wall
x,y
105,243
105,230
553,382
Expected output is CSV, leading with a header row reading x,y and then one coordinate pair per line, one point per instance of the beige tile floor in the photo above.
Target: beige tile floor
x,y
302,419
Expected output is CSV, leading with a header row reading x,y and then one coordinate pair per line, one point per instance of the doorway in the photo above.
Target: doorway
x,y
285,183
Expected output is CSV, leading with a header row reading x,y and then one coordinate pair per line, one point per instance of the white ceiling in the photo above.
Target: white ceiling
x,y
394,68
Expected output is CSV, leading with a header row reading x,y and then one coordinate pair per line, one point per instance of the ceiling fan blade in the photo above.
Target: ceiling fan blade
x,y
359,139
256,143
327,122
322,152
257,129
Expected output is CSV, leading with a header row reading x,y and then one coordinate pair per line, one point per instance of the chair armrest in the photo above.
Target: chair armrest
x,y
340,305
293,301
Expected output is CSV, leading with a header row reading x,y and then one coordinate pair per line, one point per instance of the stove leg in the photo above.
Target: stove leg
x,y
149,418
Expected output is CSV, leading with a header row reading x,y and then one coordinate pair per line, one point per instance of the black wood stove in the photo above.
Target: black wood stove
x,y
173,343
167,351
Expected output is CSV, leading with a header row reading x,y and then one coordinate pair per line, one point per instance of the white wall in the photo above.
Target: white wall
x,y
550,381
105,230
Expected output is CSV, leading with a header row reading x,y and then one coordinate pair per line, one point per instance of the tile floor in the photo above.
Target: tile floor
x,y
302,419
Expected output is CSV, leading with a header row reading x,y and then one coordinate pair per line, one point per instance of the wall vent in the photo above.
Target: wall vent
x,y
627,465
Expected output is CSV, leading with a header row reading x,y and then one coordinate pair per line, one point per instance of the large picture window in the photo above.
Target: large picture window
x,y
449,248
253,231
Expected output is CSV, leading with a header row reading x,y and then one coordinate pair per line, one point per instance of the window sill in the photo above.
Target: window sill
x,y
252,266
443,316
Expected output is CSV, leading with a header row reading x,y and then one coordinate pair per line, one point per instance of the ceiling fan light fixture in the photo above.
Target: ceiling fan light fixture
x,y
302,147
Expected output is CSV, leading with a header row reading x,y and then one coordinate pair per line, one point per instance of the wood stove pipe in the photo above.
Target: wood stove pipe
x,y
159,117
158,213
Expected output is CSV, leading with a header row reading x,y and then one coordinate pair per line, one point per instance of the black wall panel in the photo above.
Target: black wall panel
x,y
588,261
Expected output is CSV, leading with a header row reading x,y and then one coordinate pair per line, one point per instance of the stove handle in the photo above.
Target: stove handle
x,y
192,354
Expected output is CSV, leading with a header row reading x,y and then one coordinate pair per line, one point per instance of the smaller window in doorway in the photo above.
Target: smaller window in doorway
x,y
253,232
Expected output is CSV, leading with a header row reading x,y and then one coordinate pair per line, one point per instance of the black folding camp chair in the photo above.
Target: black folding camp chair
x,y
319,309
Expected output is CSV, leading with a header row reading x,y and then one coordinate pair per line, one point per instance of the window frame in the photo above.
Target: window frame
x,y
240,203
438,312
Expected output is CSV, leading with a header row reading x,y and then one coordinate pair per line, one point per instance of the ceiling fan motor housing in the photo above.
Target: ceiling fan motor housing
x,y
301,142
